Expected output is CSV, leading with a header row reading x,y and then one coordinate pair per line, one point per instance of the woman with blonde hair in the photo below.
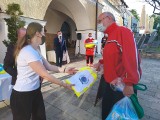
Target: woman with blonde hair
x,y
26,98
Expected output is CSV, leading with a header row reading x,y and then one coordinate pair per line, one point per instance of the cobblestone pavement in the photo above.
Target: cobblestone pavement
x,y
62,104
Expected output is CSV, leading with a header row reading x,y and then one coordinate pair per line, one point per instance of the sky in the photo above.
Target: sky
x,y
138,4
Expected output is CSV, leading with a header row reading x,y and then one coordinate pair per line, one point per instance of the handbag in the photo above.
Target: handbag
x,y
64,56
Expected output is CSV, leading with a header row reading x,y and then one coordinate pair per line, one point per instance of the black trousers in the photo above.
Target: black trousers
x,y
25,105
110,97
89,59
59,57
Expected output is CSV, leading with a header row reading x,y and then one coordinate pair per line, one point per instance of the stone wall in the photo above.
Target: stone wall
x,y
31,8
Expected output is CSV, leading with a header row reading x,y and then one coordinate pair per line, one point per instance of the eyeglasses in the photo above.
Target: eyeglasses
x,y
99,21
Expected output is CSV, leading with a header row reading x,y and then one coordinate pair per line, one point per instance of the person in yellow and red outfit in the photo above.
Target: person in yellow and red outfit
x,y
89,51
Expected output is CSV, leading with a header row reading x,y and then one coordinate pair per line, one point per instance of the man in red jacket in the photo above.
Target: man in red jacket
x,y
120,61
89,51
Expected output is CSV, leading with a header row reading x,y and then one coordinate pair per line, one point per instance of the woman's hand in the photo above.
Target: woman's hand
x,y
68,86
70,70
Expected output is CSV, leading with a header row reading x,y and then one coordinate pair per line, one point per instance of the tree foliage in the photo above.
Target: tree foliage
x,y
135,14
156,22
155,4
14,23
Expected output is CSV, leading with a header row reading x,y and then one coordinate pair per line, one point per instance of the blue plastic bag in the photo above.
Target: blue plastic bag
x,y
1,67
123,110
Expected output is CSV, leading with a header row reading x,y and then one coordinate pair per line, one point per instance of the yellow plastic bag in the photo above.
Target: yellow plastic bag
x,y
3,72
89,45
83,80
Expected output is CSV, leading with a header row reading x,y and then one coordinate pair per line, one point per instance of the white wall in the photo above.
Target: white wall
x,y
3,36
4,32
54,20
108,8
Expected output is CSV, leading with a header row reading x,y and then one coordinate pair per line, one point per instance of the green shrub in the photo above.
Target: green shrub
x,y
14,22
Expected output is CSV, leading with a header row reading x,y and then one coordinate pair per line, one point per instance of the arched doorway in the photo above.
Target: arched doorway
x,y
69,35
61,15
66,33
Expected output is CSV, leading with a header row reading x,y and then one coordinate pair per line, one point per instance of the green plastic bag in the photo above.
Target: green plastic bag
x,y
138,108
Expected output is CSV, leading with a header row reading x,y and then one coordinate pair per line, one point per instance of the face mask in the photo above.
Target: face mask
x,y
106,35
60,36
101,28
43,40
90,37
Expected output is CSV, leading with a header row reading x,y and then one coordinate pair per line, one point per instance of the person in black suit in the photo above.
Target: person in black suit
x,y
9,61
60,48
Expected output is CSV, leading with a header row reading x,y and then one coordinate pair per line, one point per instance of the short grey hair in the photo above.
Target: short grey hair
x,y
110,15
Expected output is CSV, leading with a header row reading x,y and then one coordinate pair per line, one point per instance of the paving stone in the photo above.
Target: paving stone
x,y
49,97
5,113
148,98
64,116
146,117
86,105
90,99
62,104
92,92
155,106
2,105
150,93
80,114
52,111
157,95
68,108
96,118
96,111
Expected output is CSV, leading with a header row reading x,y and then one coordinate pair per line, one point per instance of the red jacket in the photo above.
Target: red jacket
x,y
89,51
120,58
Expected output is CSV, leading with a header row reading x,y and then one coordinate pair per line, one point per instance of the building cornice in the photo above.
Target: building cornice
x,y
86,31
26,19
107,2
95,2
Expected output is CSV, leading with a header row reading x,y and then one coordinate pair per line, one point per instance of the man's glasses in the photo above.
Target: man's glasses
x,y
100,20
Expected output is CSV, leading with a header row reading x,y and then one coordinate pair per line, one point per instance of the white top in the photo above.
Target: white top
x,y
27,79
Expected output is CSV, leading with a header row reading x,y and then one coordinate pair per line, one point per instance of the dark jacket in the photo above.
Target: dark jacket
x,y
9,63
59,46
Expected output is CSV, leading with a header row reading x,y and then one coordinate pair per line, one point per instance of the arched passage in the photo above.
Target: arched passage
x,y
68,16
78,14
